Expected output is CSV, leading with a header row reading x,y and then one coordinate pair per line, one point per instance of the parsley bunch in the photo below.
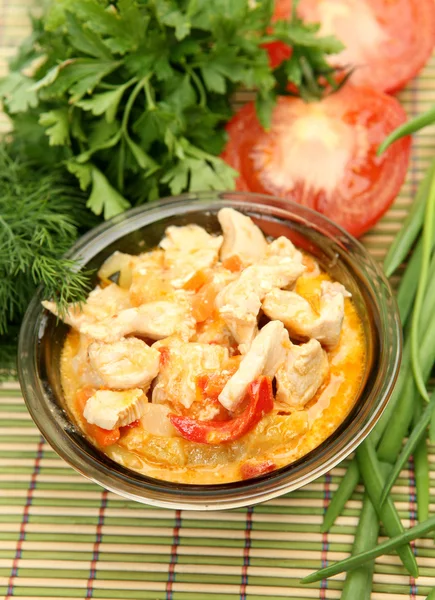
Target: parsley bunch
x,y
132,96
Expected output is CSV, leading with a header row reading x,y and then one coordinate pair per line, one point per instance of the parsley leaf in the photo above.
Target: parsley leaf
x,y
56,122
104,198
133,95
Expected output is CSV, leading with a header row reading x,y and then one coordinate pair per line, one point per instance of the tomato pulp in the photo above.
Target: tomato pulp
x,y
323,154
386,41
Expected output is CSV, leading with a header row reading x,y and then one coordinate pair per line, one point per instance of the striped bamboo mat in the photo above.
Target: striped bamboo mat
x,y
62,536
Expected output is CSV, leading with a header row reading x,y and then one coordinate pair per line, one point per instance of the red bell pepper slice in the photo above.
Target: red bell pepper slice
x,y
250,469
260,396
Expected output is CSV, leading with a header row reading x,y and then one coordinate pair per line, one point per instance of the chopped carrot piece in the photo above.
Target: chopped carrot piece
x,y
196,281
233,263
203,302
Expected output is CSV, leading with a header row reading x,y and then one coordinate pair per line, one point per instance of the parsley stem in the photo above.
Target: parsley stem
x,y
199,86
121,161
131,99
147,89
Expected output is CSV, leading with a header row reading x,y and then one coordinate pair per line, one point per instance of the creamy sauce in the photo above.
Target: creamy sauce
x,y
277,440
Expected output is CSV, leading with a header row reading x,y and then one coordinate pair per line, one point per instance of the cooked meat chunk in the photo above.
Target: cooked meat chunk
x,y
181,365
101,303
154,320
124,364
265,356
282,246
239,302
109,409
301,375
188,249
300,318
242,238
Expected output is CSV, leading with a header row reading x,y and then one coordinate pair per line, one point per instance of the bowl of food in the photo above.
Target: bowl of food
x,y
233,348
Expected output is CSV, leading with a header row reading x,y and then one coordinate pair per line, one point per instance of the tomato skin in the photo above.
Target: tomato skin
x,y
407,28
367,185
260,402
278,52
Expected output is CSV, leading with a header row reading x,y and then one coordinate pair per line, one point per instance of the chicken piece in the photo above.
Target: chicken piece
x,y
188,249
242,238
154,320
127,363
300,318
239,302
109,409
301,375
181,365
282,246
265,356
101,303
214,331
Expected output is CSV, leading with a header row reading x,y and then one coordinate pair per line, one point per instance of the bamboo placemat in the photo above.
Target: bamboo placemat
x,y
62,536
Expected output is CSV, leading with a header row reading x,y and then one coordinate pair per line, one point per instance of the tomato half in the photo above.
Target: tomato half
x,y
387,41
323,154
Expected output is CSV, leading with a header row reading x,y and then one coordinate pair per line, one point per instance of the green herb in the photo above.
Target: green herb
x,y
132,96
412,442
374,474
408,128
40,213
356,561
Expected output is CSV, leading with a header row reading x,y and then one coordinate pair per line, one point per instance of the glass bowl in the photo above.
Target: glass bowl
x,y
140,229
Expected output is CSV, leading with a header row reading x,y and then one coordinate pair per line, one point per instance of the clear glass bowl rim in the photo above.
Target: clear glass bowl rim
x,y
222,496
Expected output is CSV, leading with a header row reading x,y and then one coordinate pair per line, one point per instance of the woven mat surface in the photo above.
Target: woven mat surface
x,y
62,536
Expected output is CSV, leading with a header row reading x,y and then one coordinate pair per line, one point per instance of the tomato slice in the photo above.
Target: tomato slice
x,y
387,41
323,154
260,402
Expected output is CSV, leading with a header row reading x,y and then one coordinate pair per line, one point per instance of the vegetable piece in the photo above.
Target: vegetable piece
x,y
408,448
394,543
387,42
344,491
254,469
408,128
422,480
404,240
203,302
260,401
323,154
374,481
120,263
431,595
358,582
427,237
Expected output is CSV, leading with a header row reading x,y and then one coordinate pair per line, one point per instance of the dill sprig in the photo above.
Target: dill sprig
x,y
41,213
